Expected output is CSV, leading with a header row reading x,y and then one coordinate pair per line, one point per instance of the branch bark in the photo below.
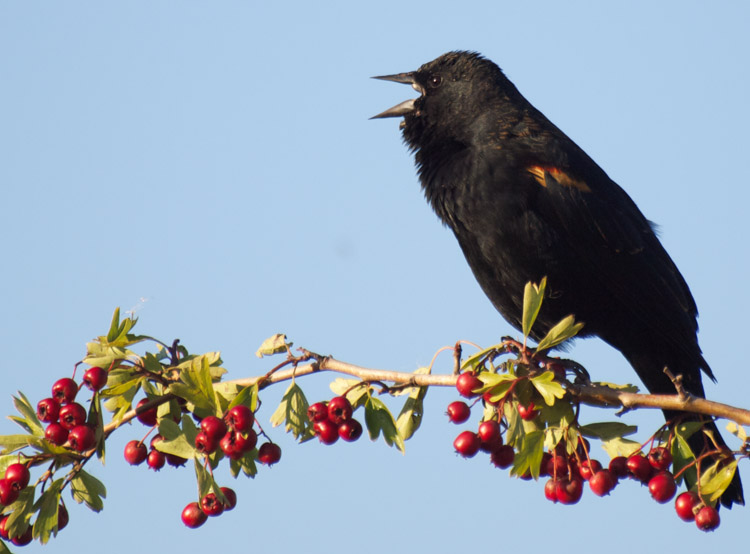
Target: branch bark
x,y
592,395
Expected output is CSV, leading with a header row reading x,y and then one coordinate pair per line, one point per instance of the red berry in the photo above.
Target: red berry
x,y
81,438
640,468
569,491
205,444
231,497
707,518
174,460
619,466
214,427
527,413
95,378
602,482
317,412
557,466
503,456
489,433
135,452
339,410
156,460
235,444
193,516
660,458
458,412
327,431
72,415
550,490
240,418
467,444
147,417
269,453
467,383
17,475
8,495
56,434
3,529
24,538
350,430
544,465
588,468
48,410
211,505
62,517
662,487
64,390
155,439
685,504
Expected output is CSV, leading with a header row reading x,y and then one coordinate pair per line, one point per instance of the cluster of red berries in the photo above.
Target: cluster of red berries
x,y
232,434
488,437
195,514
568,472
16,479
66,418
333,420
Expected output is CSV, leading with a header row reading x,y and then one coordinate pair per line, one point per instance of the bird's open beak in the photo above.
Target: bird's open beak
x,y
405,107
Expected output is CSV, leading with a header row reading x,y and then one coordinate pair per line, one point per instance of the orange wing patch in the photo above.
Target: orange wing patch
x,y
538,171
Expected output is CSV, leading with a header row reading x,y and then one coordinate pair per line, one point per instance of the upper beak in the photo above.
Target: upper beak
x,y
406,106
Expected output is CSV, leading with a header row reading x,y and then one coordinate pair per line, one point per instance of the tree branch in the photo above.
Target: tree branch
x,y
593,395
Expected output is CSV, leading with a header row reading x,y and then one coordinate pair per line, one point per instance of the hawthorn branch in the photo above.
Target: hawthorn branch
x,y
592,395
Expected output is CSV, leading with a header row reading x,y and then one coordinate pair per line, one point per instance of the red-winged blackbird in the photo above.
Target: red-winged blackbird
x,y
524,202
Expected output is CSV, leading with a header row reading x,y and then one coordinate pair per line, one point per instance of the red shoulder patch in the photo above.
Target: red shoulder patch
x,y
539,171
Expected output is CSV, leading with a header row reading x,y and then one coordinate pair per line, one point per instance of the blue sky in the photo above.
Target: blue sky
x,y
212,165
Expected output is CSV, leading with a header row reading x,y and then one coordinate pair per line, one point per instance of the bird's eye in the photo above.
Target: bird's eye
x,y
435,81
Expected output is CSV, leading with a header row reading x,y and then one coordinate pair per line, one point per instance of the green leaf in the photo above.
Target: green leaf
x,y
620,447
177,441
293,411
410,418
737,430
29,415
498,384
607,430
248,396
533,295
515,432
205,481
124,387
477,359
716,479
20,512
11,443
529,455
274,344
355,389
88,489
114,326
615,386
47,505
682,456
548,387
379,419
566,329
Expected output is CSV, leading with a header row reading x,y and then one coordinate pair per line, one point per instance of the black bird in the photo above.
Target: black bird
x,y
524,202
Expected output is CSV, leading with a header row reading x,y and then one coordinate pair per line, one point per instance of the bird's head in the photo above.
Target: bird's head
x,y
456,90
